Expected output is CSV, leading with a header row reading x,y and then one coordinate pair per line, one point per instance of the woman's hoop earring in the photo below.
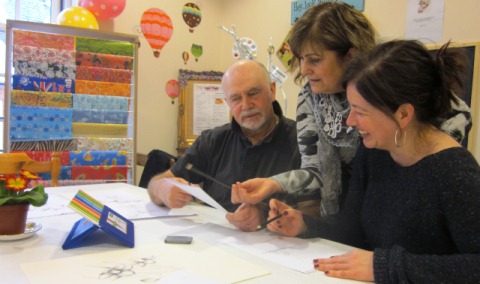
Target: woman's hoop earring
x,y
396,139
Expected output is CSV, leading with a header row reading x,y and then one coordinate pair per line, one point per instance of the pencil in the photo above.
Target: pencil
x,y
190,167
264,225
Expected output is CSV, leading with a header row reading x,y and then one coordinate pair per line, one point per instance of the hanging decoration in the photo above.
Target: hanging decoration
x,y
157,28
172,88
277,75
77,17
244,48
192,16
197,51
185,57
104,9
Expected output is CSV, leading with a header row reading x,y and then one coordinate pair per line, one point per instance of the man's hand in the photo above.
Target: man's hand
x,y
246,217
255,190
164,193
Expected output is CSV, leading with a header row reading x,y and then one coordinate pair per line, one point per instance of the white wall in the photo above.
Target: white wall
x,y
256,19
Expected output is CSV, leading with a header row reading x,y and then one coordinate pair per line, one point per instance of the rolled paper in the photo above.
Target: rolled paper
x,y
84,44
102,88
90,59
99,130
109,173
42,54
40,123
104,144
29,98
44,70
103,74
30,83
98,158
45,40
67,144
100,116
81,101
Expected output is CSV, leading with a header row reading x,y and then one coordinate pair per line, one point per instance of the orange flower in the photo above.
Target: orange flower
x,y
28,175
16,183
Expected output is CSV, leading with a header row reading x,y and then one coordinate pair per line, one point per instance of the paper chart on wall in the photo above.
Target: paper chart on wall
x,y
148,264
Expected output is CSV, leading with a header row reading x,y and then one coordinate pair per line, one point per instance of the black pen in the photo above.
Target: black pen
x,y
264,225
198,172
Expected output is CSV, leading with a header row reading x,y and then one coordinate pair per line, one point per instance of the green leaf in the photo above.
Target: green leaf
x,y
36,197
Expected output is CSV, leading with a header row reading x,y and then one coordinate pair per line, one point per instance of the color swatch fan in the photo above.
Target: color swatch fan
x,y
97,216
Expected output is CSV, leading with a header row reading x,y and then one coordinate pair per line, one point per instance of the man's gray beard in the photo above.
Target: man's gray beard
x,y
255,126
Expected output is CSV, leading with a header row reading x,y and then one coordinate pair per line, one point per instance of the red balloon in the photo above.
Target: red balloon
x,y
104,9
172,89
157,28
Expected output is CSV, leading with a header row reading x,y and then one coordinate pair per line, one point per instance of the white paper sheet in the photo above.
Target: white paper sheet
x,y
198,193
129,204
295,253
147,264
425,20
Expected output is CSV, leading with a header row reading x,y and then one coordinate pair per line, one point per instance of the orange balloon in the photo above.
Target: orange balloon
x,y
157,28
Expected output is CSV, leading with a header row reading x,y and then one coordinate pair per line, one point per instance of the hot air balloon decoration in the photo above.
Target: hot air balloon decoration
x,y
172,88
197,51
191,15
185,57
157,28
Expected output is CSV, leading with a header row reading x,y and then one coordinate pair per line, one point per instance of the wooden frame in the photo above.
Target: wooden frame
x,y
187,81
470,94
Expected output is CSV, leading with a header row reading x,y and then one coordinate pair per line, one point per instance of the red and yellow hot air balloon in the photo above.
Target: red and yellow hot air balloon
x,y
185,57
157,28
172,88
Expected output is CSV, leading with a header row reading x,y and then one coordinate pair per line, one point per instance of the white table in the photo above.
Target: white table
x,y
207,227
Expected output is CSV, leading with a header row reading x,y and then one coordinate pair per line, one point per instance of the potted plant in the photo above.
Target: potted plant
x,y
15,200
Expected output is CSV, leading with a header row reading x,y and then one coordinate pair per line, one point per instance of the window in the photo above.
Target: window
x,y
40,11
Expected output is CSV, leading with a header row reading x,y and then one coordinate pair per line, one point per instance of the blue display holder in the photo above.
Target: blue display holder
x,y
110,222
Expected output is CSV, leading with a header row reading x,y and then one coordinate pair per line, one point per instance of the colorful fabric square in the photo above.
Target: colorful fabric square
x,y
37,39
65,174
42,54
30,98
100,116
104,144
46,156
109,173
44,69
99,130
40,123
90,59
104,74
102,88
88,206
98,158
84,44
99,102
44,145
29,83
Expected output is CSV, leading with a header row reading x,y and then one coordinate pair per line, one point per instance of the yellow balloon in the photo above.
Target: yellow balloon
x,y
77,17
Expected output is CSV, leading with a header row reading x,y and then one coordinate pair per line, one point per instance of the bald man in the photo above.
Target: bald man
x,y
259,142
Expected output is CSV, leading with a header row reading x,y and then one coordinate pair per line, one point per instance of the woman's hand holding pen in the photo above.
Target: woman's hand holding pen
x,y
254,191
291,224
